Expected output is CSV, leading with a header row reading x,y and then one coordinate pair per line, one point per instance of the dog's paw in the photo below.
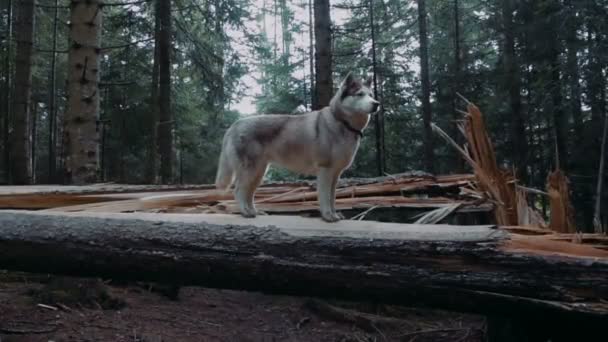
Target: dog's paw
x,y
340,216
330,217
248,214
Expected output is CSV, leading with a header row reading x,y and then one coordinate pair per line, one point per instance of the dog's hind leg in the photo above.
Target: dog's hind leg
x,y
248,179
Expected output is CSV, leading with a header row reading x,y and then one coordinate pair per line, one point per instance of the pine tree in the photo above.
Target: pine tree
x,y
323,54
21,135
81,138
166,121
513,88
429,157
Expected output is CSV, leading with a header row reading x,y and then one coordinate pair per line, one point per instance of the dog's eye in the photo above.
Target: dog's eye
x,y
361,94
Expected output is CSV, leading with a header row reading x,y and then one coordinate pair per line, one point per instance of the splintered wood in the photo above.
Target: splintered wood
x,y
500,185
494,183
562,217
415,190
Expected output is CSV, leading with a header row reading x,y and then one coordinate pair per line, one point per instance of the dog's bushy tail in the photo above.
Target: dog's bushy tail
x,y
225,171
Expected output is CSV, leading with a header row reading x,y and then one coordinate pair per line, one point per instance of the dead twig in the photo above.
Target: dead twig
x,y
435,216
302,322
64,307
451,141
464,98
532,190
48,307
462,112
275,197
361,216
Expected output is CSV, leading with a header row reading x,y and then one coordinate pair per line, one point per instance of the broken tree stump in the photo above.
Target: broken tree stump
x,y
479,269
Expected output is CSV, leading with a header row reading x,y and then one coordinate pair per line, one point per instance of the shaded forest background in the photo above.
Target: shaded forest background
x,y
143,91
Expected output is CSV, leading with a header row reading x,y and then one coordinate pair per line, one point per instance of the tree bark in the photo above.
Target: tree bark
x,y
20,138
52,162
311,54
379,117
429,156
464,268
457,163
165,125
572,45
561,134
81,136
597,215
33,141
6,103
552,9
275,46
219,95
513,85
596,83
152,169
285,34
323,55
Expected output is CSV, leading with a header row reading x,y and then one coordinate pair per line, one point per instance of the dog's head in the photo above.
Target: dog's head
x,y
356,97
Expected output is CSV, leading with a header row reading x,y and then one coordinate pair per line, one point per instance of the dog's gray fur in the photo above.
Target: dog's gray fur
x,y
321,143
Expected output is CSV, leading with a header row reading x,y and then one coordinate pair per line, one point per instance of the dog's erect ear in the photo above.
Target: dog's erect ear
x,y
368,81
348,80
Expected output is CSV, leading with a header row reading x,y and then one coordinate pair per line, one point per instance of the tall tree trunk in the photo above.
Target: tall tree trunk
x,y
458,162
597,214
429,156
285,27
379,117
103,133
152,169
561,135
219,88
20,137
311,54
595,82
6,103
165,125
572,45
323,70
81,138
34,140
513,87
52,101
597,94
553,61
275,46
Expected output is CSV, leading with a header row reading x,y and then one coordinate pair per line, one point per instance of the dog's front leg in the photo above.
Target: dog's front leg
x,y
334,185
326,181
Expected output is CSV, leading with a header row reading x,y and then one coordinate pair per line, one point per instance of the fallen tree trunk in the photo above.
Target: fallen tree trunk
x,y
464,268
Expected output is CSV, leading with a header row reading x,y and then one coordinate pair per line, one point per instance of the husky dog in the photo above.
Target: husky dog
x,y
321,143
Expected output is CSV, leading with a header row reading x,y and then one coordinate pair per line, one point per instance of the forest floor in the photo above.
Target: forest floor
x,y
37,308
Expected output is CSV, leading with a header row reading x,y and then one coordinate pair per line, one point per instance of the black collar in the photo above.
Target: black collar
x,y
351,128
